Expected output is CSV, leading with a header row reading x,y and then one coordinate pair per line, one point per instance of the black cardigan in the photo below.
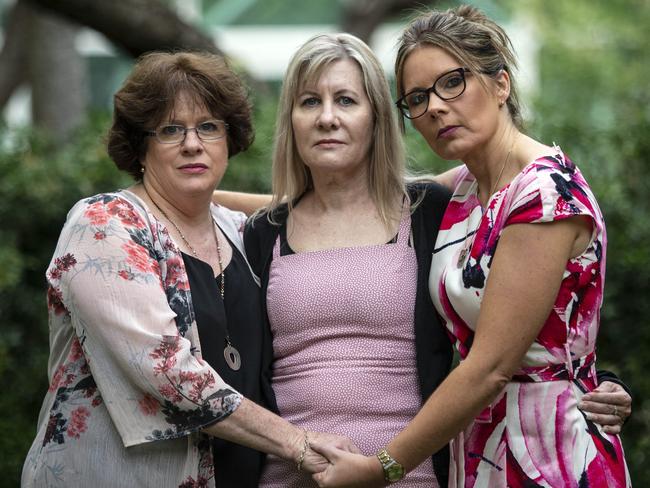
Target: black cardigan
x,y
433,348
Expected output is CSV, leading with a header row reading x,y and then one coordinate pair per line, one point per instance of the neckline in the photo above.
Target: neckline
x,y
473,189
402,237
203,263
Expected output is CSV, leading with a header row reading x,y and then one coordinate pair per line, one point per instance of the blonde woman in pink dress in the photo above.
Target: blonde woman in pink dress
x,y
517,276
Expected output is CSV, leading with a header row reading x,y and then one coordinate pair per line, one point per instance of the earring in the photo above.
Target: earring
x,y
142,169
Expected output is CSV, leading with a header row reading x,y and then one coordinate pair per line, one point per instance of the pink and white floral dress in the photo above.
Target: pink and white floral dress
x,y
533,434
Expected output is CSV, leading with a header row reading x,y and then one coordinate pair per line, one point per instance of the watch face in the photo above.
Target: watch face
x,y
394,472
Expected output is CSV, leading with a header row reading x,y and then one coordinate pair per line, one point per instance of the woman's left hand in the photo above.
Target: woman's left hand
x,y
314,461
608,405
347,470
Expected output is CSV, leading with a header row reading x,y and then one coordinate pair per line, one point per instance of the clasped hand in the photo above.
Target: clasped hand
x,y
336,462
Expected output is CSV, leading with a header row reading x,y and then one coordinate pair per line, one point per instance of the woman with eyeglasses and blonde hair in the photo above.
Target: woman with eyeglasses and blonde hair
x,y
156,337
517,277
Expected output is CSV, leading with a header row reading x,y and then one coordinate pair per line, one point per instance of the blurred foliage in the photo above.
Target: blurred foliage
x,y
593,101
37,188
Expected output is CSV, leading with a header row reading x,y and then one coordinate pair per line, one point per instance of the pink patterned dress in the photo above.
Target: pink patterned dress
x,y
533,433
344,347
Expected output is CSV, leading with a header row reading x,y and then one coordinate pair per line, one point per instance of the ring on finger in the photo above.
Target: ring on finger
x,y
616,410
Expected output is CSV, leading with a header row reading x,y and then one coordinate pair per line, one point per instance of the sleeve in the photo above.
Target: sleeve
x,y
551,189
109,278
604,375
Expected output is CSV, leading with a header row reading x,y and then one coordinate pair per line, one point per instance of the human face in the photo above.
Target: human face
x,y
458,128
192,167
333,121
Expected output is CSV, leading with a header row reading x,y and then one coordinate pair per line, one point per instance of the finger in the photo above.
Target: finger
x,y
621,411
609,386
319,478
620,399
325,449
352,447
601,393
604,420
608,409
598,407
612,429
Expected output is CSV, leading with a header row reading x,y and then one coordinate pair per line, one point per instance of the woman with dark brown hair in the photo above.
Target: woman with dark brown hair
x,y
156,337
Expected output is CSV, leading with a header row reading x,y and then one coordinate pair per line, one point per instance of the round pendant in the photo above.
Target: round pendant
x,y
232,357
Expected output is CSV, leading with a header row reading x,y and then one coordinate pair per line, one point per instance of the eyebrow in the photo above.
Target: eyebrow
x,y
200,120
342,91
423,88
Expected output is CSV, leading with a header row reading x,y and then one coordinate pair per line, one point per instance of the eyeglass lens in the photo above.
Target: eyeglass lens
x,y
210,130
447,87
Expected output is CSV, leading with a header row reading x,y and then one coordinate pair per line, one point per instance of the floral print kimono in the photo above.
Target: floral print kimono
x,y
129,392
533,434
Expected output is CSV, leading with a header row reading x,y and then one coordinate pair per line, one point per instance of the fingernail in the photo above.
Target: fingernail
x,y
589,416
581,405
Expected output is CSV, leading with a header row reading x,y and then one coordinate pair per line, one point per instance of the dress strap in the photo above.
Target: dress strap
x,y
404,232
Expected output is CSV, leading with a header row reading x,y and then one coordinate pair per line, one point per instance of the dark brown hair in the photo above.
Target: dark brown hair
x,y
150,92
470,36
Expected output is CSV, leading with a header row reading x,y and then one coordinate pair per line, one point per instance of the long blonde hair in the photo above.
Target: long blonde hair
x,y
291,177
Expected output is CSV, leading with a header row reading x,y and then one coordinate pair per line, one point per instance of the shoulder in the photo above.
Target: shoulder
x,y
552,188
118,207
429,192
267,221
228,217
428,198
260,232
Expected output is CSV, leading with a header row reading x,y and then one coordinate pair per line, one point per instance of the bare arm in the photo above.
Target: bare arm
x,y
255,427
243,202
448,178
516,303
250,202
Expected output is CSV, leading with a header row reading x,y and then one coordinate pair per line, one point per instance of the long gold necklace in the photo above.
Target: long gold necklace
x,y
230,353
467,243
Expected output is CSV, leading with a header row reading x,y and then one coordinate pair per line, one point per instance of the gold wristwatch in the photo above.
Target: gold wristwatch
x,y
393,471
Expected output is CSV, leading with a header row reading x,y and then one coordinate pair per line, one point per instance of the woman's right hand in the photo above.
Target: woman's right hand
x,y
315,462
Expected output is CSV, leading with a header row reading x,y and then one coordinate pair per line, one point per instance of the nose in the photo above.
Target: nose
x,y
327,117
436,105
192,143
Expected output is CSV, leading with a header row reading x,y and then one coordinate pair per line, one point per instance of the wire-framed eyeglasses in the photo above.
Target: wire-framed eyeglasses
x,y
447,86
210,130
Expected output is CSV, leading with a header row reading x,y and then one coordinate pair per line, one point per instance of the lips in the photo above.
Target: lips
x,y
193,168
328,142
447,131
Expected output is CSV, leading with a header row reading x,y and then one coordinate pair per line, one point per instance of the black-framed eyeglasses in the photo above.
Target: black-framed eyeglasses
x,y
447,86
210,130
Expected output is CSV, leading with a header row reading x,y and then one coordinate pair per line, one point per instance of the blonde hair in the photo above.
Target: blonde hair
x,y
291,176
470,36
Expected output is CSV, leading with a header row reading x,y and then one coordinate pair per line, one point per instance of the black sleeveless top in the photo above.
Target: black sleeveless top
x,y
235,466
